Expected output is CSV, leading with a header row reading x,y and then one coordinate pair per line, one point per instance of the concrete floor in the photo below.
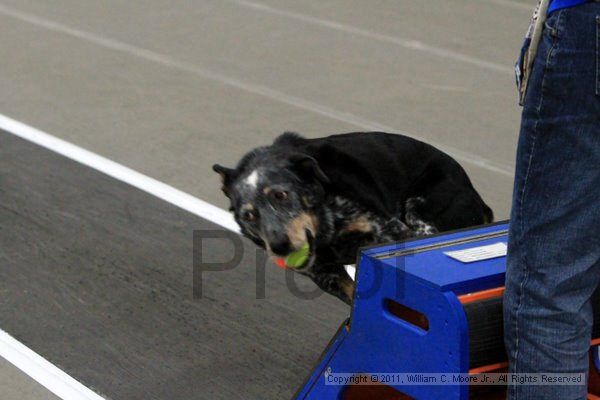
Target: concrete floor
x,y
14,385
169,88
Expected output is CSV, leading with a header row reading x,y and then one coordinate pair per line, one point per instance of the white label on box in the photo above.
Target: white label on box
x,y
479,253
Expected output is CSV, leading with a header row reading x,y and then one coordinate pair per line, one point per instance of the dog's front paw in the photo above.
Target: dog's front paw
x,y
336,284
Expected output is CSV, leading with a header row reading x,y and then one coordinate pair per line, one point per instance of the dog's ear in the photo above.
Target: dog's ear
x,y
307,167
226,177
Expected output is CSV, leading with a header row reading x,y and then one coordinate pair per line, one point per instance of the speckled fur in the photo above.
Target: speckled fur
x,y
337,246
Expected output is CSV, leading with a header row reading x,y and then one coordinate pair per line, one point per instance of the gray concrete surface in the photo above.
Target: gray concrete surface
x,y
14,385
169,88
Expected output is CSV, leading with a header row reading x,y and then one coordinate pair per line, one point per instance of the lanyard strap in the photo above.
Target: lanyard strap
x,y
534,33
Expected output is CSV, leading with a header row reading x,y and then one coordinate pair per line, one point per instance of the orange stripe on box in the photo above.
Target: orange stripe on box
x,y
479,296
488,368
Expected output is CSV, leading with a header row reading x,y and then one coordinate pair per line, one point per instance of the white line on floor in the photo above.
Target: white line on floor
x,y
42,371
122,173
398,41
249,87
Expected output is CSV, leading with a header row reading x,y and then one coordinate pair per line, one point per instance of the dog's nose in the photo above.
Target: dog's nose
x,y
281,247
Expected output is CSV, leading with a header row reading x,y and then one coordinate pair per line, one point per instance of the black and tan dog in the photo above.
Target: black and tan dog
x,y
342,192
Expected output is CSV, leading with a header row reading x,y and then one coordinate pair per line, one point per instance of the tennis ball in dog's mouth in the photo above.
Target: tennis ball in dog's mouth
x,y
295,259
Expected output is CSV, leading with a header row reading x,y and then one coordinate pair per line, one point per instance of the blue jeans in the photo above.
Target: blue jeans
x,y
553,263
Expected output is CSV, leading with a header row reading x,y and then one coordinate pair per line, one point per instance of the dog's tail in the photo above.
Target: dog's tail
x,y
289,139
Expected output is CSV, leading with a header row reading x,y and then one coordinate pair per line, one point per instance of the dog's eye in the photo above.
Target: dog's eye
x,y
280,195
249,216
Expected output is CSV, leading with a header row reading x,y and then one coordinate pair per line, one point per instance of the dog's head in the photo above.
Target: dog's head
x,y
274,195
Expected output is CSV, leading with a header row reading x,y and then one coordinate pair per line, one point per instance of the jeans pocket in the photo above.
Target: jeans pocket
x,y
552,25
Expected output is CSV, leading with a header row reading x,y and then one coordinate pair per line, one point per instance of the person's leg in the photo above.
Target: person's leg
x,y
554,240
